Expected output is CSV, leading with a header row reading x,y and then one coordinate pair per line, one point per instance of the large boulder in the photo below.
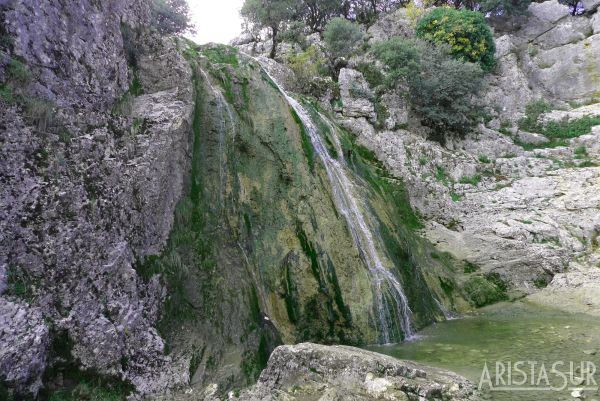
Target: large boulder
x,y
318,372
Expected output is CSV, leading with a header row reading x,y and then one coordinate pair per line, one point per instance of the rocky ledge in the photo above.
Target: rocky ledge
x,y
308,371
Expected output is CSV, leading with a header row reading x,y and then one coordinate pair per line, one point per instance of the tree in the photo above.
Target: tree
x,y
466,32
316,13
342,37
170,16
443,91
269,14
366,11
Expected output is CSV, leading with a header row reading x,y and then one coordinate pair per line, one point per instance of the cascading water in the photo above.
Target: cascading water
x,y
223,130
388,292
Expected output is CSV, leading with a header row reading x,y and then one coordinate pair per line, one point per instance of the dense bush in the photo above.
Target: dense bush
x,y
442,90
467,33
170,16
342,37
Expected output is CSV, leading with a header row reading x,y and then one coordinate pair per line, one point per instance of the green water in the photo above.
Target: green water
x,y
512,332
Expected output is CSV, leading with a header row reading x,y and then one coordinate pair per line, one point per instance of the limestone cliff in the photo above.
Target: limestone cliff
x,y
166,220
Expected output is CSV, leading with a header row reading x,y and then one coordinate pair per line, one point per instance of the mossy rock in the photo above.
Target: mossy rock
x,y
485,290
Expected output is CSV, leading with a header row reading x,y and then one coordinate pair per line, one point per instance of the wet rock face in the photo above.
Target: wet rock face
x,y
77,47
311,371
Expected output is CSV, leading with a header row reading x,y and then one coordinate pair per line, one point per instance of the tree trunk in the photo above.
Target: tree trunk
x,y
274,46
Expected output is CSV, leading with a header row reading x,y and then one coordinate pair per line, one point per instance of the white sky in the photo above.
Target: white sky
x,y
216,20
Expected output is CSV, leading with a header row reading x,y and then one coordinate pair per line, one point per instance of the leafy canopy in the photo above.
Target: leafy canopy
x,y
342,37
466,32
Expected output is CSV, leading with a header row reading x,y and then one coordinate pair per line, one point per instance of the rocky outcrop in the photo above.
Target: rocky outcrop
x,y
551,55
357,97
316,372
87,192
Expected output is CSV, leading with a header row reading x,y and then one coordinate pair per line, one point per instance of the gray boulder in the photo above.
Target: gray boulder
x,y
317,372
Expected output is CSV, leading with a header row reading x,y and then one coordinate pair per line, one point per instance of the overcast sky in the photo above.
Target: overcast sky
x,y
216,20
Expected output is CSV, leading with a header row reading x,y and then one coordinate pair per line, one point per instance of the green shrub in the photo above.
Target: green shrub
x,y
306,66
470,267
401,57
467,33
533,111
472,180
342,37
372,74
567,129
442,91
17,78
557,131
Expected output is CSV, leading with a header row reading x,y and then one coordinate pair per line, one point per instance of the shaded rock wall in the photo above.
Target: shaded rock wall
x,y
87,192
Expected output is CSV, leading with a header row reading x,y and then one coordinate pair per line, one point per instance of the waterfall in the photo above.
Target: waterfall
x,y
387,289
223,130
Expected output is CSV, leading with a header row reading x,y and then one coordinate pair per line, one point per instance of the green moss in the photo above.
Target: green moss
x,y
292,304
307,147
20,284
485,290
90,391
455,197
484,159
470,267
221,54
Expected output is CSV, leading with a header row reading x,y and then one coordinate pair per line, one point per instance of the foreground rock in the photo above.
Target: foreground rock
x,y
331,373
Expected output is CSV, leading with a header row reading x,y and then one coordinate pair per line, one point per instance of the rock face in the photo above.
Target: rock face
x,y
357,98
24,339
316,372
85,194
80,59
553,55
